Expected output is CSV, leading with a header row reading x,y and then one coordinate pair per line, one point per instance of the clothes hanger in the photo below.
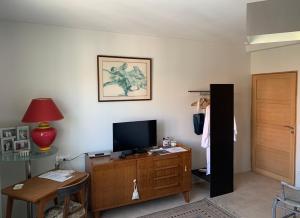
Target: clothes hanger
x,y
203,101
195,102
201,104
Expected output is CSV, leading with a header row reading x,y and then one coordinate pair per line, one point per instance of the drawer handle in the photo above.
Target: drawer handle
x,y
185,168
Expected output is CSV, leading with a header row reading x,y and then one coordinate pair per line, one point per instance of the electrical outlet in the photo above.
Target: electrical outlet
x,y
61,158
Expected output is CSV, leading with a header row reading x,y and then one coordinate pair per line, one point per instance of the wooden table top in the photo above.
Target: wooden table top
x,y
36,188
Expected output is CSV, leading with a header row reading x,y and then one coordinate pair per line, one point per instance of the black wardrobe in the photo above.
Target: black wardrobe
x,y
221,140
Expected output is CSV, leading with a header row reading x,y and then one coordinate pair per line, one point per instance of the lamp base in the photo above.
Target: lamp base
x,y
45,149
43,136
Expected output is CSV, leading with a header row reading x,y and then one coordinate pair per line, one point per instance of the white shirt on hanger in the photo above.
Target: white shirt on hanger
x,y
205,141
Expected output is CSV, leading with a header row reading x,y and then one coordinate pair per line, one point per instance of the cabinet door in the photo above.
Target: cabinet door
x,y
186,169
113,184
145,177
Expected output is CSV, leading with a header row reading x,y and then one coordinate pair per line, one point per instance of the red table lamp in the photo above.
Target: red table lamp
x,y
42,110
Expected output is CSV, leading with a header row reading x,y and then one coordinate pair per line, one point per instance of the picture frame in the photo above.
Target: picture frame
x,y
23,133
8,132
7,144
124,78
22,145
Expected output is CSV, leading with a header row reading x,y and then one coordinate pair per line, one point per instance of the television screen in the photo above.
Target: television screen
x,y
134,136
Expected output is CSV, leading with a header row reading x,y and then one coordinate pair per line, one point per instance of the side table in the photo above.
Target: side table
x,y
34,155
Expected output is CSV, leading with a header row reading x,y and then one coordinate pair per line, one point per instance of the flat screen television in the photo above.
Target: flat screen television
x,y
135,136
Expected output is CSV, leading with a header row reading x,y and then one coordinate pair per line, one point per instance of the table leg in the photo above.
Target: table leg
x,y
9,207
28,176
28,169
41,209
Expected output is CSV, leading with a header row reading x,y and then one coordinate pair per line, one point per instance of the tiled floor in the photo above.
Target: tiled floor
x,y
252,198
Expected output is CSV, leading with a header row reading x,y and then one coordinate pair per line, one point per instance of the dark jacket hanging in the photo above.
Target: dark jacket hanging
x,y
198,120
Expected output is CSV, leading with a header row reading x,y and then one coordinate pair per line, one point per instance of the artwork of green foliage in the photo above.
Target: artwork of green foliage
x,y
128,80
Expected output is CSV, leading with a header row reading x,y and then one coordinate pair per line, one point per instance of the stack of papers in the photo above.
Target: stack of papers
x,y
58,175
162,151
175,149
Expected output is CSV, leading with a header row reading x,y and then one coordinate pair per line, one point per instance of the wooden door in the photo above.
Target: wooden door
x,y
113,184
274,125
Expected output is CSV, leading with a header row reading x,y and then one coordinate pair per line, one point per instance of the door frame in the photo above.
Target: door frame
x,y
253,127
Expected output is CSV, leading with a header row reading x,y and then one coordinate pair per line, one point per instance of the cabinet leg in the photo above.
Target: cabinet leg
x,y
186,196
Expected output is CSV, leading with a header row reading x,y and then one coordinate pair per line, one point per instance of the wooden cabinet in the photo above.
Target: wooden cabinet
x,y
157,176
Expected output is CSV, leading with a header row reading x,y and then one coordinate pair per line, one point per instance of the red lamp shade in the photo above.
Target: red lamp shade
x,y
42,110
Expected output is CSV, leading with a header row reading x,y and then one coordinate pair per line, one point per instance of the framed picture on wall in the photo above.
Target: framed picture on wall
x,y
124,78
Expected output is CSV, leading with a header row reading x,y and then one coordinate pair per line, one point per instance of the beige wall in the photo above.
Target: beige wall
x,y
48,61
280,60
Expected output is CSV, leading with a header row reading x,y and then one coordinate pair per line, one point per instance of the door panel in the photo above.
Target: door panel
x,y
186,168
274,124
115,183
265,136
273,160
270,113
273,89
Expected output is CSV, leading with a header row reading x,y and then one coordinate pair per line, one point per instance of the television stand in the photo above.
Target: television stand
x,y
156,176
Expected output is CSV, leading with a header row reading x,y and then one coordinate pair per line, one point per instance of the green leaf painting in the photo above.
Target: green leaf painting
x,y
128,79
124,78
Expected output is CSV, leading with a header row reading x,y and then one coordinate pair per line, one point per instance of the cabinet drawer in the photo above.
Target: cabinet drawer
x,y
166,175
166,162
166,172
166,182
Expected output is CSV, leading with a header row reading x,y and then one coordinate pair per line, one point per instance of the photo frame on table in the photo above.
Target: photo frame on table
x,y
21,145
8,132
7,144
124,78
23,133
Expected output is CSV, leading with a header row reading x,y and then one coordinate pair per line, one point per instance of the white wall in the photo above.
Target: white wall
x,y
49,61
280,60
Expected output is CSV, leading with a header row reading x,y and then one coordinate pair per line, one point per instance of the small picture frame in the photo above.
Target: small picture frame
x,y
22,133
7,144
8,132
21,145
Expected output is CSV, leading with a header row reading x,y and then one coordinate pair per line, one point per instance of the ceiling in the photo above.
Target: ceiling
x,y
208,20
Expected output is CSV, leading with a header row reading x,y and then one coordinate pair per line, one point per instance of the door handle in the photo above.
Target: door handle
x,y
290,127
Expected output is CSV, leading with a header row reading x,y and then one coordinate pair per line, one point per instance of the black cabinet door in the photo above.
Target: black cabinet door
x,y
221,138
